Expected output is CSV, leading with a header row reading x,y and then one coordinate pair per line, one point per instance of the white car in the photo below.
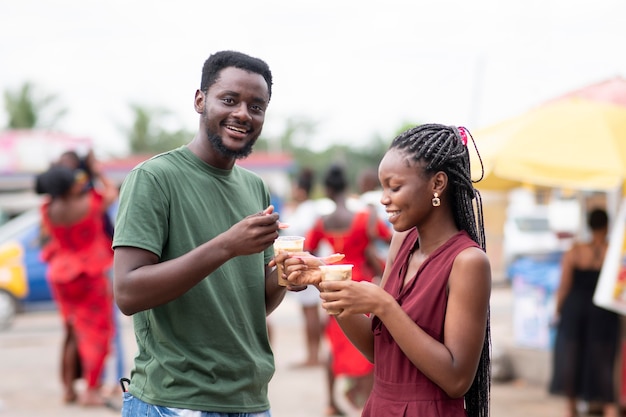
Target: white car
x,y
529,233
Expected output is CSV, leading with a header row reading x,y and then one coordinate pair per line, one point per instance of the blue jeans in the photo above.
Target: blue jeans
x,y
134,407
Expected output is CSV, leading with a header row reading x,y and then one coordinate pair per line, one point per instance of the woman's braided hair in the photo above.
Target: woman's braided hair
x,y
444,148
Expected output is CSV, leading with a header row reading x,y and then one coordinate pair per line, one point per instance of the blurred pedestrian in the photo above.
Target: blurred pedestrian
x,y
370,191
370,194
588,337
426,327
348,233
300,219
79,256
90,166
88,163
193,258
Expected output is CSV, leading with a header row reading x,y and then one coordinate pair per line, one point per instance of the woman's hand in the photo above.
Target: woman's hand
x,y
283,260
353,297
302,268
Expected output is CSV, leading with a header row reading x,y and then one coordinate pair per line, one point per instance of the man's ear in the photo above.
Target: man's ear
x,y
198,102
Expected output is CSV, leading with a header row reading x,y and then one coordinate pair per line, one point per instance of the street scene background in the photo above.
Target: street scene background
x,y
31,386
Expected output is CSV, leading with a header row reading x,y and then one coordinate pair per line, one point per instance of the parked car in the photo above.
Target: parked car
x,y
22,272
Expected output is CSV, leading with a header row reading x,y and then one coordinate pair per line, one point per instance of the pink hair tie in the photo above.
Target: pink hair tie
x,y
463,133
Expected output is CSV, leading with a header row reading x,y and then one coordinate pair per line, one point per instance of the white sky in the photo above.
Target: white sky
x,y
358,67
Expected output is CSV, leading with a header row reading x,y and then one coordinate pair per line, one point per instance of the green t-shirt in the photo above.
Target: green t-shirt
x,y
209,349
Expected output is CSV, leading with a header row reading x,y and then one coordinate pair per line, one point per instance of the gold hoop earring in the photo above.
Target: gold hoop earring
x,y
436,200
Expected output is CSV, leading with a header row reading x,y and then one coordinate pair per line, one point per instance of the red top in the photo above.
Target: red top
x,y
400,389
346,359
79,248
351,242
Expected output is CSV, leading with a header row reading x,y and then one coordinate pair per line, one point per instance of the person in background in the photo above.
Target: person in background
x,y
116,366
370,196
348,233
90,166
370,192
194,258
426,327
587,338
300,220
79,255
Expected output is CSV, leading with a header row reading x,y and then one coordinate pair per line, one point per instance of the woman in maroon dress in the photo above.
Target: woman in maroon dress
x,y
428,327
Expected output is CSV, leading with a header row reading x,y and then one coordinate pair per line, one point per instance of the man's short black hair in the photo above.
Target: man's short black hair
x,y
224,59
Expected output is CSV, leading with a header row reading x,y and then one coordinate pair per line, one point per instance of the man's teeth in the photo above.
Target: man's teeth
x,y
237,129
392,213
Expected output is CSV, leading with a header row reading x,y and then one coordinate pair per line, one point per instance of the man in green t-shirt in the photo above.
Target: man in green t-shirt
x,y
193,240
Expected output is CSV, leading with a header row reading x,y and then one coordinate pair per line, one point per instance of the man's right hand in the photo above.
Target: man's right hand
x,y
254,233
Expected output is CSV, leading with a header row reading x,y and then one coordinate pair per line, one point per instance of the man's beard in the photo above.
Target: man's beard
x,y
218,144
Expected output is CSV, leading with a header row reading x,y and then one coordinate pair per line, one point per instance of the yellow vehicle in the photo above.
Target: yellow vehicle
x,y
13,282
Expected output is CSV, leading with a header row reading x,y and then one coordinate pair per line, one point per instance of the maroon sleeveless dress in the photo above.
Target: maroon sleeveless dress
x,y
400,389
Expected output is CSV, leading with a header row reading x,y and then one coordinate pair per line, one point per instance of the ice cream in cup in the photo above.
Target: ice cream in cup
x,y
291,244
336,272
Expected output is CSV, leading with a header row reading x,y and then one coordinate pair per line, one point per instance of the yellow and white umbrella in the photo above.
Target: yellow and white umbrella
x,y
572,143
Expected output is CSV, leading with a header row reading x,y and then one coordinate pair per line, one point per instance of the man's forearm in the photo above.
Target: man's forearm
x,y
274,293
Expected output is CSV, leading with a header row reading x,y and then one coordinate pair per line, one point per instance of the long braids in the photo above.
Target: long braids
x,y
444,148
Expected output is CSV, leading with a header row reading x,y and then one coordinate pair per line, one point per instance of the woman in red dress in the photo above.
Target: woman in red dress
x,y
79,255
348,232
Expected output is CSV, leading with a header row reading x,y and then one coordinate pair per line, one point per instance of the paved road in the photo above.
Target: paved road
x,y
29,356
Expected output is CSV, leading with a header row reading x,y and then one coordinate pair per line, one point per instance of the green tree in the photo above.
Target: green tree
x,y
294,136
28,108
355,159
147,135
